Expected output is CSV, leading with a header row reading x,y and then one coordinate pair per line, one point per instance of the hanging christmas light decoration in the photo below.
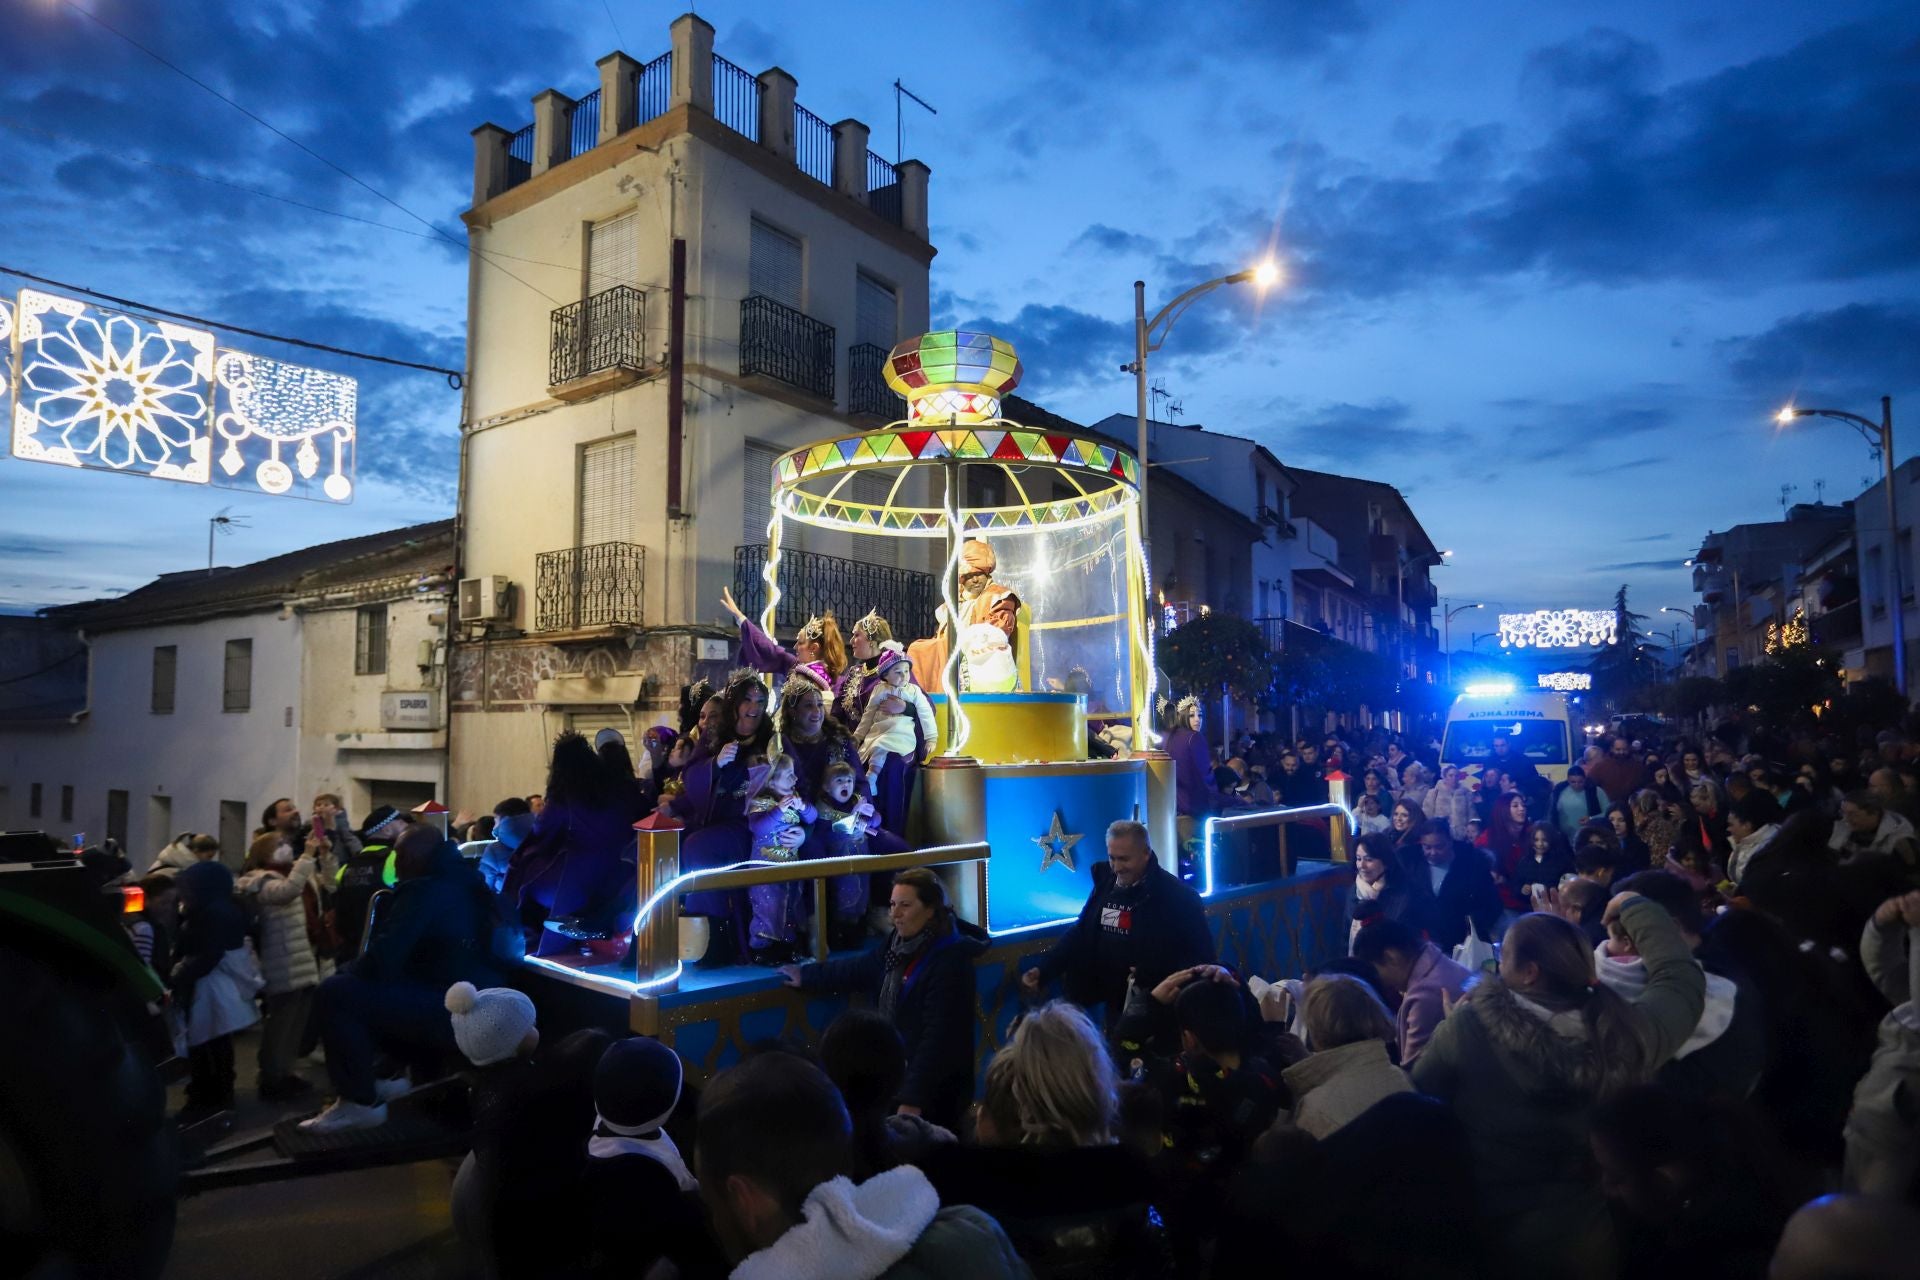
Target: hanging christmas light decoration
x,y
267,412
99,389
1557,629
1565,681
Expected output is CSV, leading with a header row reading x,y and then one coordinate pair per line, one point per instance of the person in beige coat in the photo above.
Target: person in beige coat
x,y
1348,1071
1883,1141
283,893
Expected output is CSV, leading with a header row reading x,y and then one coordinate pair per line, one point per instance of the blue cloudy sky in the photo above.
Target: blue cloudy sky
x,y
1550,266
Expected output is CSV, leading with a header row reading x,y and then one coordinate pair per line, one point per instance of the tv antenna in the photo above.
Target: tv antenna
x,y
1176,409
1158,391
901,92
1786,496
1820,492
224,525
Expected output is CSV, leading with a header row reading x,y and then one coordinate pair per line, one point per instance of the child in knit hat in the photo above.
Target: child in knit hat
x,y
495,1030
640,1193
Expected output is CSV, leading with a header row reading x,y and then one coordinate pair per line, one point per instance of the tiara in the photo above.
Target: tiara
x,y
1186,706
814,631
802,679
741,675
871,625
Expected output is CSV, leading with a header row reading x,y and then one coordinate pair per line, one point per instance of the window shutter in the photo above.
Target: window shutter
x,y
606,492
774,266
237,686
613,253
875,314
867,548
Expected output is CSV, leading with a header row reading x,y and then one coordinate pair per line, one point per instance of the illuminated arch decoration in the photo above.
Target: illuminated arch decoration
x,y
104,390
113,392
1557,629
278,426
1566,681
1060,490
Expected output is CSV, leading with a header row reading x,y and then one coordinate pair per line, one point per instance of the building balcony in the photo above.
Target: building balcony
x,y
868,394
786,345
583,588
811,584
598,344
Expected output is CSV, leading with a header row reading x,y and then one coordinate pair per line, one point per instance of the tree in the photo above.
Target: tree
x,y
1628,662
1217,652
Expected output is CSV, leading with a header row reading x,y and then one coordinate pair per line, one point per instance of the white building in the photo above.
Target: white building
x,y
674,278
209,694
1875,544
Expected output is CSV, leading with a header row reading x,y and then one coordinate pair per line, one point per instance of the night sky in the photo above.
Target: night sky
x,y
1550,267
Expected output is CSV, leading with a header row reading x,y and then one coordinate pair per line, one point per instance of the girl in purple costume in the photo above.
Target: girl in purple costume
x,y
780,820
578,858
714,803
814,741
818,646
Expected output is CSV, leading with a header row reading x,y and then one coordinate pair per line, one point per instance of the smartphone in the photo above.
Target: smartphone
x,y
319,827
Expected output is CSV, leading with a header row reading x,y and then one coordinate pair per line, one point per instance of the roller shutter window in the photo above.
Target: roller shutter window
x,y
589,723
606,492
774,269
756,500
613,253
876,312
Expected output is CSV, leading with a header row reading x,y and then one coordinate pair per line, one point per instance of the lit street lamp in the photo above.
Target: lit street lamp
x,y
1880,436
1688,614
1261,277
1446,626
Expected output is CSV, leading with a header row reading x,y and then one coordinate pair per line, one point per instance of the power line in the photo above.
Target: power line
x,y
454,376
268,125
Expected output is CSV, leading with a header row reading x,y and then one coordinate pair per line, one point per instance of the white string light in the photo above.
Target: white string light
x,y
1565,681
262,405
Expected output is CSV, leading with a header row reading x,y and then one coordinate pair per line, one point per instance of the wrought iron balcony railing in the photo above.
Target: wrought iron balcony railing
x,y
883,189
786,345
867,389
606,331
811,583
600,585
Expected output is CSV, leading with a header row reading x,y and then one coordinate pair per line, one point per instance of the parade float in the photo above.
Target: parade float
x,y
1009,808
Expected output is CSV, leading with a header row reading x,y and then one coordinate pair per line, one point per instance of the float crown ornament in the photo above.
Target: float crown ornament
x,y
953,376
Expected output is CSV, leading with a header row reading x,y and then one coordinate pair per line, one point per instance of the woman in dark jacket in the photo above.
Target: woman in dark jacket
x,y
1385,887
578,859
922,981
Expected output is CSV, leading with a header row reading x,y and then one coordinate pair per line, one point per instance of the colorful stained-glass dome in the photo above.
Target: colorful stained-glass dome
x,y
953,376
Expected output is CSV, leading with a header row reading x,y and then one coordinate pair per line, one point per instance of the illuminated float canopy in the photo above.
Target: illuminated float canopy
x,y
103,390
1065,530
1557,629
1566,681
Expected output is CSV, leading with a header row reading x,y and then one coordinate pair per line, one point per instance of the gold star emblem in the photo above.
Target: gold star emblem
x,y
1056,845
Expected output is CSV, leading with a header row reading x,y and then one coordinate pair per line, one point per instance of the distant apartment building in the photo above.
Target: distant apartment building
x,y
1753,579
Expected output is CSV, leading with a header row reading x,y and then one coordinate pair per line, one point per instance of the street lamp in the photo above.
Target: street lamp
x,y
1262,277
1880,436
1446,625
1691,621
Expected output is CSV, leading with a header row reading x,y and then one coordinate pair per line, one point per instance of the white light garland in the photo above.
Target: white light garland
x,y
104,390
1557,629
1565,681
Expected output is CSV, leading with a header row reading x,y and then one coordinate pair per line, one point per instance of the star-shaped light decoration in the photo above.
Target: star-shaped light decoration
x,y
1056,845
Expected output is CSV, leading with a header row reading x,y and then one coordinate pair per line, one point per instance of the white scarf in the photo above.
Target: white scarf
x,y
1367,890
611,1141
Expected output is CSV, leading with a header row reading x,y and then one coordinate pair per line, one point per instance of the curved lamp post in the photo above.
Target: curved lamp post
x,y
1446,625
1880,436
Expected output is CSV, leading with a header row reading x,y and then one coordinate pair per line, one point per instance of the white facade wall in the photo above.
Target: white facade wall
x,y
191,760
344,746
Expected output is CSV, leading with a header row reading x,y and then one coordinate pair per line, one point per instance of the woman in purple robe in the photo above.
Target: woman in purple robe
x,y
578,859
713,806
862,676
818,645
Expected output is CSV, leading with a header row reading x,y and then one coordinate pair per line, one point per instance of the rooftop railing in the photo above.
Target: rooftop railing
x,y
736,99
813,145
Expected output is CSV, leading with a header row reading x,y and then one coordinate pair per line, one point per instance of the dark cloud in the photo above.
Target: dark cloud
x,y
1344,432
1633,566
1650,537
1061,346
1105,239
1543,430
1194,39
1854,353
1632,464
1599,61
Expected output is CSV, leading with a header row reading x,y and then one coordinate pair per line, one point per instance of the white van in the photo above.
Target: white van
x,y
1534,724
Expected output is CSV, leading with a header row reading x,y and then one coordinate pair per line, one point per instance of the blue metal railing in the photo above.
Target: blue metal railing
x,y
520,157
653,88
736,99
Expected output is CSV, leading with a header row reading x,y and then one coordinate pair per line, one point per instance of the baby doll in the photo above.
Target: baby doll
x,y
775,815
884,732
986,660
850,817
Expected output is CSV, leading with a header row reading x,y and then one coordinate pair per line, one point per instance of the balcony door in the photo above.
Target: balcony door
x,y
606,492
613,253
775,266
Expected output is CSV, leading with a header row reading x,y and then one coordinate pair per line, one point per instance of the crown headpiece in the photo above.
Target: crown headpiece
x,y
815,629
872,624
739,676
1185,707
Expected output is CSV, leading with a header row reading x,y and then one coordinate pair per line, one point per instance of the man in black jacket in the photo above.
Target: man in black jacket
x,y
1463,888
1140,919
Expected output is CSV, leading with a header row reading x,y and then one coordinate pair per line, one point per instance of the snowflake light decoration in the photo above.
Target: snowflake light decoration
x,y
1557,628
95,388
6,360
1566,681
266,407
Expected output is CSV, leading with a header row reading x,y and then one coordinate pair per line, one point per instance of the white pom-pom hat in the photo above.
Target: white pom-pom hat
x,y
490,1025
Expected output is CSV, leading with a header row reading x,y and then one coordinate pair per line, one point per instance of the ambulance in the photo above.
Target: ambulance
x,y
1535,724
